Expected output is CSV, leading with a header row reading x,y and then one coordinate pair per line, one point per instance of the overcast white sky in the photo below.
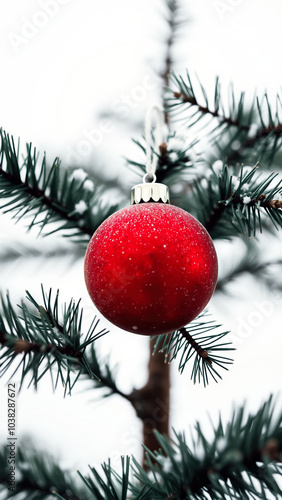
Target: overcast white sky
x,y
56,80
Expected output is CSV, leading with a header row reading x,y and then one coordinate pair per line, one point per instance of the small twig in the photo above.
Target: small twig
x,y
219,209
263,132
207,111
162,161
23,346
266,204
200,351
271,450
261,201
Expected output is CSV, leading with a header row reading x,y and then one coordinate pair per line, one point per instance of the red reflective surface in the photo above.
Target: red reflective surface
x,y
151,268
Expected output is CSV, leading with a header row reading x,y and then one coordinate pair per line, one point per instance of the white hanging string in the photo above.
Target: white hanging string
x,y
152,159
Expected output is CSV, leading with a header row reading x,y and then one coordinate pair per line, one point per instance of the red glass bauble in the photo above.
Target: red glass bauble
x,y
151,268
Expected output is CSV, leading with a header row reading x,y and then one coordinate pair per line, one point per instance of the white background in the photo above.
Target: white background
x,y
54,86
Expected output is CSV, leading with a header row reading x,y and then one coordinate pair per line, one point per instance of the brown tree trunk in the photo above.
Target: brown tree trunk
x,y
152,401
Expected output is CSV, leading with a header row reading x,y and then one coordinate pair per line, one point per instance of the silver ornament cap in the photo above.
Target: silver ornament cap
x,y
149,192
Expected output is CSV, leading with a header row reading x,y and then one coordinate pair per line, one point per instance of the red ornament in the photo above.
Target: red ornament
x,y
151,268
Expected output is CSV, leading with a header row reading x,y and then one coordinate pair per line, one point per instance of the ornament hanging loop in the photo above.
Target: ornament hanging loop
x,y
149,178
151,154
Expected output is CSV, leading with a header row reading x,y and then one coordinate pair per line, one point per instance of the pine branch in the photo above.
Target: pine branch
x,y
69,201
205,110
235,201
195,342
113,486
44,341
38,477
223,467
47,341
255,129
241,460
186,96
